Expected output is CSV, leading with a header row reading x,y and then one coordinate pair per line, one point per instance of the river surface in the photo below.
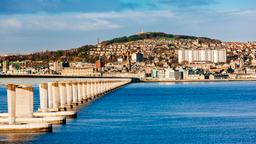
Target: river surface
x,y
152,113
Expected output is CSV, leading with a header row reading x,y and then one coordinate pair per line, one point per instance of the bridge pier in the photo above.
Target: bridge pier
x,y
20,112
69,94
43,92
11,103
80,92
75,93
55,96
50,103
63,96
88,92
100,88
91,90
94,89
84,91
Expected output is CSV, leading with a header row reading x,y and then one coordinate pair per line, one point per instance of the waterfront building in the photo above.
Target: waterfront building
x,y
202,55
99,64
56,67
137,57
161,74
169,74
221,76
178,75
250,71
195,77
148,72
120,60
13,68
79,72
185,74
65,64
253,62
5,66
154,73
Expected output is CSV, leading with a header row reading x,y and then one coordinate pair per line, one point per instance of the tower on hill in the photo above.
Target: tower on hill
x,y
141,32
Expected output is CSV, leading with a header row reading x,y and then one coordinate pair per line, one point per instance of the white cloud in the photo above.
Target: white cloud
x,y
54,22
248,12
66,30
10,24
127,14
77,21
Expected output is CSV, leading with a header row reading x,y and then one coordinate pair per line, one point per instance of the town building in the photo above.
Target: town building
x,y
79,72
169,74
137,57
202,55
99,64
56,67
5,66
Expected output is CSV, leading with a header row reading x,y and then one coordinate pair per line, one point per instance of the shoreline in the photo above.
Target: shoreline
x,y
135,79
217,80
55,76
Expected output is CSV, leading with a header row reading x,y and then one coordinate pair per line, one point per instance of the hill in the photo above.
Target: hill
x,y
156,35
83,53
74,54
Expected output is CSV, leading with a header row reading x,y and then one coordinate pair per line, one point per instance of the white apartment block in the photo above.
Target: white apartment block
x,y
202,55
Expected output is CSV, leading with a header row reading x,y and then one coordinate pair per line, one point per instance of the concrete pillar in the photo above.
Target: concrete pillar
x,y
111,85
91,89
80,91
24,101
63,94
69,93
95,88
105,86
108,86
55,95
11,98
43,91
116,84
50,103
84,90
101,87
88,92
75,92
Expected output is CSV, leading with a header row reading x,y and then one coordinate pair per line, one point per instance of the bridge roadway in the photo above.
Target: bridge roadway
x,y
35,79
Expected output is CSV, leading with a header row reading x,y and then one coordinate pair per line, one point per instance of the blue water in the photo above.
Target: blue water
x,y
219,112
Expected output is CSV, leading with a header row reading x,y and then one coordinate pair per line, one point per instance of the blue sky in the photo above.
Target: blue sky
x,y
36,25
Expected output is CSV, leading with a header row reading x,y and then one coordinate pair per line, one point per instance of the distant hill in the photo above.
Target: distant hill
x,y
82,53
156,35
74,54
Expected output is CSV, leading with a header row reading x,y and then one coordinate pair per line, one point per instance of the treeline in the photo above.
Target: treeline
x,y
136,37
76,54
156,35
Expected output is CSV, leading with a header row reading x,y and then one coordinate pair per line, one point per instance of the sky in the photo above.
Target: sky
x,y
37,25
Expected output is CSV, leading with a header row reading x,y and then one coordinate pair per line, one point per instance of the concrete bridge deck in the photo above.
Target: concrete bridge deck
x,y
59,100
